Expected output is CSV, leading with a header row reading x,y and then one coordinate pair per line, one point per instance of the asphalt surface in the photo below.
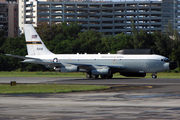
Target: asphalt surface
x,y
114,81
159,101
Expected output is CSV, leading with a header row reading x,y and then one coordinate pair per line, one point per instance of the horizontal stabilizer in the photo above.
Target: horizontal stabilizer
x,y
46,64
22,57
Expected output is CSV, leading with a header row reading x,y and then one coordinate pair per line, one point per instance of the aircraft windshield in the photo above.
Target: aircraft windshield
x,y
166,60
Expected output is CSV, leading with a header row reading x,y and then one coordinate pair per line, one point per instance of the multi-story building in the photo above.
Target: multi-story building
x,y
171,13
9,18
4,18
107,17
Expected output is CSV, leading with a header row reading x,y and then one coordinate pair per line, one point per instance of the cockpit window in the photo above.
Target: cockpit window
x,y
166,60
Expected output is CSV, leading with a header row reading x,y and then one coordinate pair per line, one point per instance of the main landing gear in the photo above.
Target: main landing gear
x,y
88,76
154,75
91,76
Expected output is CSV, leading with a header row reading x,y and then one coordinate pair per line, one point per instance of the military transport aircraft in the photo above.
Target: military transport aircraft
x,y
130,63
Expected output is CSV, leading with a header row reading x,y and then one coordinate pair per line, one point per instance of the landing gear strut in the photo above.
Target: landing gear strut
x,y
154,76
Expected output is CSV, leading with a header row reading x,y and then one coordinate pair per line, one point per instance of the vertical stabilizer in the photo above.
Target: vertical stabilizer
x,y
35,45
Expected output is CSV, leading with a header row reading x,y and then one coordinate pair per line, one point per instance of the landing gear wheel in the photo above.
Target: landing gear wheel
x,y
94,76
88,76
154,76
110,76
103,76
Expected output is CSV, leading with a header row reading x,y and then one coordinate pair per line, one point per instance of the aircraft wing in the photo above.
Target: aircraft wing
x,y
90,66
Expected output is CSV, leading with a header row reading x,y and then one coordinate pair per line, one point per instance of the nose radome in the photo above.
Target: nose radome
x,y
173,65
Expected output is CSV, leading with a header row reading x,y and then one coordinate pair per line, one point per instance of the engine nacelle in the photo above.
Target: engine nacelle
x,y
101,72
133,74
67,69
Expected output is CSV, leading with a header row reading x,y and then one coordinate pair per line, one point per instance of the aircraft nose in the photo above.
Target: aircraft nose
x,y
173,65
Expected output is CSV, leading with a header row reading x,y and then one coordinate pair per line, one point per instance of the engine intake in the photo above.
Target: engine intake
x,y
101,72
67,69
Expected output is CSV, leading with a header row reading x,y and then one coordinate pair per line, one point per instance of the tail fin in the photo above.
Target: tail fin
x,y
35,45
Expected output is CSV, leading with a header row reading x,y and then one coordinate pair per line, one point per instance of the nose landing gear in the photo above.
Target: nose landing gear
x,y
154,75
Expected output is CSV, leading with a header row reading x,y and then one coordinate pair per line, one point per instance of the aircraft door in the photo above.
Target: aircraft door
x,y
114,60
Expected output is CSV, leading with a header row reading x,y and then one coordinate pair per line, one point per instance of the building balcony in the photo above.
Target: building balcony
x,y
73,8
4,21
119,13
156,23
131,13
84,8
57,19
94,25
94,19
119,24
119,8
43,13
56,13
69,19
132,7
43,19
144,13
156,7
107,19
144,18
107,30
119,30
82,19
29,3
52,7
156,17
104,13
43,8
29,19
28,8
120,18
147,24
69,13
156,12
104,24
158,29
28,14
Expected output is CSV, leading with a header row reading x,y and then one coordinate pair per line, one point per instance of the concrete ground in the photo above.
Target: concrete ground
x,y
159,101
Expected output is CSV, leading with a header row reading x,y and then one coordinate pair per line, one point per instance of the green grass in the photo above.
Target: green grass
x,y
75,74
47,88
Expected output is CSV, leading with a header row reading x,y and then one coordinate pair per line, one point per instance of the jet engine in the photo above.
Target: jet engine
x,y
105,71
133,74
67,69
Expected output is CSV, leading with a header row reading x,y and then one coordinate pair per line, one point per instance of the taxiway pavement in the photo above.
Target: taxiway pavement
x,y
160,102
114,81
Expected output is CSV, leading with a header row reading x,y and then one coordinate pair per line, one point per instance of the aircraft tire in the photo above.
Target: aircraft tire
x,y
154,76
88,76
96,76
93,76
110,76
103,76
